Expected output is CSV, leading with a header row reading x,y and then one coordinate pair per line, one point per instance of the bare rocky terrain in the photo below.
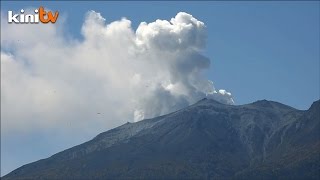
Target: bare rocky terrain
x,y
208,140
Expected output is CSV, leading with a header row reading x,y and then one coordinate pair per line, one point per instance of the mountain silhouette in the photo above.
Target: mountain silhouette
x,y
207,140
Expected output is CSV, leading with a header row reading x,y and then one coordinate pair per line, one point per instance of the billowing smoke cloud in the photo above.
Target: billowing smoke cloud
x,y
112,76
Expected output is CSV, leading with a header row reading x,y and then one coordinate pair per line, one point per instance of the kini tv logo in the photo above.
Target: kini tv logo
x,y
40,15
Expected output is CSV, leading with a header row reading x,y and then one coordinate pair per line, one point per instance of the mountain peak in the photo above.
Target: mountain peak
x,y
263,103
267,104
207,101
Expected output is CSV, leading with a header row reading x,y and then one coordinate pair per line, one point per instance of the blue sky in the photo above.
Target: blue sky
x,y
258,50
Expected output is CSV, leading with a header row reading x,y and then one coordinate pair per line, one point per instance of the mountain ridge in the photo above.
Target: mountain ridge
x,y
205,140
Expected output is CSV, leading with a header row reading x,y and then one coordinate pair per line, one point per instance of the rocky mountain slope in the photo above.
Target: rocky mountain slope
x,y
208,140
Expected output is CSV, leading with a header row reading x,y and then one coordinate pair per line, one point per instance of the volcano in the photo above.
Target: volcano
x,y
207,140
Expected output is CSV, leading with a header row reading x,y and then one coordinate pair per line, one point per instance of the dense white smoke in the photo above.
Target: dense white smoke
x,y
115,73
